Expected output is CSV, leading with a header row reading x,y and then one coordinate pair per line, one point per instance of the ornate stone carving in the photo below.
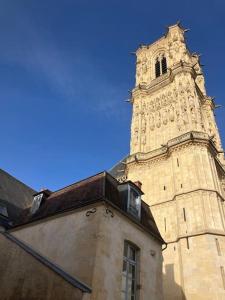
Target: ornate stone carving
x,y
179,120
158,119
135,136
171,146
176,104
164,116
151,122
171,113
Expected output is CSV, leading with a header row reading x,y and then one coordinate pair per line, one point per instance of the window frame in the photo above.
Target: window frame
x,y
157,68
3,210
36,203
130,188
130,262
161,67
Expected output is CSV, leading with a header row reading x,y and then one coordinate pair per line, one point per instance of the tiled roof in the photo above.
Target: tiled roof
x,y
100,187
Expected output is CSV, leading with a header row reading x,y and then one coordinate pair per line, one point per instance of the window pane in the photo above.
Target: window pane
x,y
133,197
130,271
124,279
133,287
3,211
123,296
133,272
124,266
131,253
157,69
129,284
125,250
164,65
135,202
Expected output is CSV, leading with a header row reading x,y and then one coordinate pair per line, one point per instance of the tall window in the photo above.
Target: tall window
x,y
129,275
160,66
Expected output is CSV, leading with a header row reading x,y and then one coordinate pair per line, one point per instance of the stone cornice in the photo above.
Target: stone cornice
x,y
188,192
203,232
162,81
189,137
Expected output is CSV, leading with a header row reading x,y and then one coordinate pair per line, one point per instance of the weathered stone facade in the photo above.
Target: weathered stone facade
x,y
92,240
23,277
90,248
176,153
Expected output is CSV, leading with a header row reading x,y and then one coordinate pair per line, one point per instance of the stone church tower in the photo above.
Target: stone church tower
x,y
176,154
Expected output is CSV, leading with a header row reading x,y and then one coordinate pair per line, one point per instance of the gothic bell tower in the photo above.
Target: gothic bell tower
x,y
176,152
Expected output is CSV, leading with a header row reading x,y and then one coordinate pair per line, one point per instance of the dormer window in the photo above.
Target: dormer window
x,y
134,202
36,203
39,199
3,210
160,66
131,197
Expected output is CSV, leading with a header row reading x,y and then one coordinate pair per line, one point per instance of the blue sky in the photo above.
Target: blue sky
x,y
65,71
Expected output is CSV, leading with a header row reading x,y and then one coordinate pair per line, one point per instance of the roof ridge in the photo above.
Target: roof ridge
x,y
77,182
15,179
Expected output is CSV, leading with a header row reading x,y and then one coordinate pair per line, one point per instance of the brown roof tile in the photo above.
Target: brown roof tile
x,y
100,187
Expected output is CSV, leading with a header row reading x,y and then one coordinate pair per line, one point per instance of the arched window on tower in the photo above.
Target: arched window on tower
x,y
160,66
157,68
164,65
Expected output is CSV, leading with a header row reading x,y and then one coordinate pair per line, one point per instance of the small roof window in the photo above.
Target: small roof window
x,y
3,210
36,203
131,197
134,202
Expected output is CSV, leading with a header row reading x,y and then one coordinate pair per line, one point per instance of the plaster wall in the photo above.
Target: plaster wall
x,y
69,240
108,268
22,277
91,249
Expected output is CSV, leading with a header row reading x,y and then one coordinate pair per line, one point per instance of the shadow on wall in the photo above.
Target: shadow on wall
x,y
171,290
23,277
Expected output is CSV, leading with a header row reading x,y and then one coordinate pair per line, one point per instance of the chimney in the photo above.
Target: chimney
x,y
138,184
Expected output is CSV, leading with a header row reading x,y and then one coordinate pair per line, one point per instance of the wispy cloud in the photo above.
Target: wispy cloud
x,y
72,76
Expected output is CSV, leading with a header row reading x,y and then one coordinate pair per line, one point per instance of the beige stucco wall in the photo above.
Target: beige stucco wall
x,y
91,249
114,231
22,277
69,241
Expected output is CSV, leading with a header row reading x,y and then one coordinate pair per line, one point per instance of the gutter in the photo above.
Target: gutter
x,y
165,247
